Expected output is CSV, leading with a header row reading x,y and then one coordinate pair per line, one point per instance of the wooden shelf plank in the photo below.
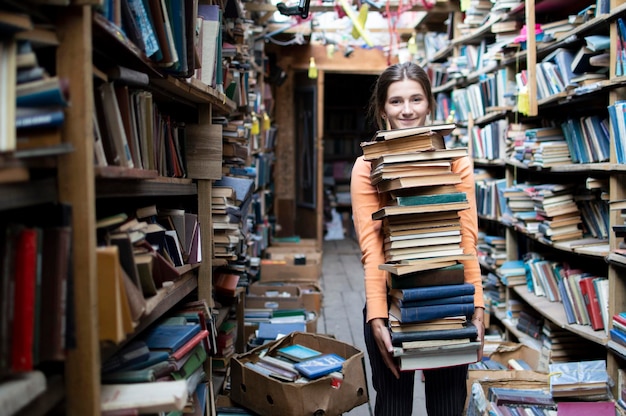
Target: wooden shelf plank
x,y
19,195
554,312
159,304
109,188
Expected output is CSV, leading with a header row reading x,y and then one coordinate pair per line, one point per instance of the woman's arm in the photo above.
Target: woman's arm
x,y
366,201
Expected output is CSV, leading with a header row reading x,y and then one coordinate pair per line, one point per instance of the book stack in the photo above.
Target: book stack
x,y
543,147
172,352
506,401
564,346
421,227
583,380
557,209
231,202
512,272
492,250
529,324
520,207
41,98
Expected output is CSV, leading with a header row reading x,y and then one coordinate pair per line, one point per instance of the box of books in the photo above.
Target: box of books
x,y
274,297
510,387
291,266
284,294
300,374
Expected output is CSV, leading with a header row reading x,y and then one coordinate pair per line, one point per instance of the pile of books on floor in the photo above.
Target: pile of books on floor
x,y
431,302
163,369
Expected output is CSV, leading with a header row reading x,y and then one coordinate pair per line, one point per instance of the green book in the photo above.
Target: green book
x,y
134,376
431,199
196,358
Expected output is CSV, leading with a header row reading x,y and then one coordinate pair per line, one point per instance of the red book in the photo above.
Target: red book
x,y
620,319
25,274
591,302
180,353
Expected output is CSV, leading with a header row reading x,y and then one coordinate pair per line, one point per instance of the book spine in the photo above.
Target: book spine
x,y
397,338
435,292
440,301
24,301
426,313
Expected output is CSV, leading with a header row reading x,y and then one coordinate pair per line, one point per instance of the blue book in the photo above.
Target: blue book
x,y
43,92
617,336
320,366
436,301
427,313
469,331
154,357
170,337
38,117
268,330
567,303
136,352
432,292
615,112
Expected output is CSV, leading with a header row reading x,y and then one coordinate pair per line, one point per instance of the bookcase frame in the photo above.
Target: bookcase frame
x,y
615,89
75,185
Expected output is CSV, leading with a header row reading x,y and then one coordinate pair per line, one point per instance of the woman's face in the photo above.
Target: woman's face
x,y
407,105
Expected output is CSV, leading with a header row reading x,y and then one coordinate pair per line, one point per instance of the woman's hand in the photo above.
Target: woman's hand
x,y
383,340
479,322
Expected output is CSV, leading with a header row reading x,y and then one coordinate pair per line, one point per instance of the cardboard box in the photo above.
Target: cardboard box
x,y
511,350
270,397
301,242
480,382
274,297
282,266
309,295
250,328
503,353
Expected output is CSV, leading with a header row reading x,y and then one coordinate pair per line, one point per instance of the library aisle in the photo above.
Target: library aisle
x,y
342,311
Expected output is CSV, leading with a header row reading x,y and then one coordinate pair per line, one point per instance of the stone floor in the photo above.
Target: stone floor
x,y
342,310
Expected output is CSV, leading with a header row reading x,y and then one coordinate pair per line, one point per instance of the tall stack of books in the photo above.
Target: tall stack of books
x,y
421,226
559,214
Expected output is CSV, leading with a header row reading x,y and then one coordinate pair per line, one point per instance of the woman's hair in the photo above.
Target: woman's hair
x,y
394,73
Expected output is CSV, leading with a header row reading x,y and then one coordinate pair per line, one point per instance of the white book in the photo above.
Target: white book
x,y
153,397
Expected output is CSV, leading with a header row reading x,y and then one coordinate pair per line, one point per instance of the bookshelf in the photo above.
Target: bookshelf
x,y
87,45
456,83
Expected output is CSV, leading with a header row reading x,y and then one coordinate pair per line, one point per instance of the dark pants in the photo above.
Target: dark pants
x,y
445,388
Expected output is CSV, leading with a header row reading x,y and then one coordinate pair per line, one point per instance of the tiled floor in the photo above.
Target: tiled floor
x,y
342,310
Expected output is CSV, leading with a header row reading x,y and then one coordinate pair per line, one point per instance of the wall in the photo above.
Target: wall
x,y
293,59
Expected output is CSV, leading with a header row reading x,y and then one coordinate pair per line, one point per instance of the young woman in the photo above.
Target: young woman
x,y
402,97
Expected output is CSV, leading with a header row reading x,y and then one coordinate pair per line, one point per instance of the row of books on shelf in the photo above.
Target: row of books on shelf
x,y
137,256
182,39
584,296
37,320
35,97
566,213
163,368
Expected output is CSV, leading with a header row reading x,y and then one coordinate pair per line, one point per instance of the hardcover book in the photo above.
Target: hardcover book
x,y
320,366
375,149
469,331
437,357
170,337
297,352
432,292
425,313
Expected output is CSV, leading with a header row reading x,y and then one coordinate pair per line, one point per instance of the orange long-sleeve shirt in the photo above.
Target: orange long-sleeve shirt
x,y
366,200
